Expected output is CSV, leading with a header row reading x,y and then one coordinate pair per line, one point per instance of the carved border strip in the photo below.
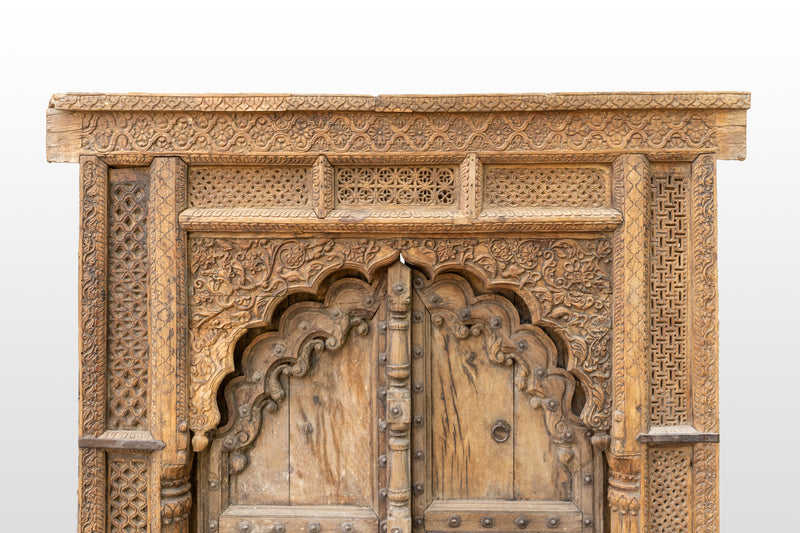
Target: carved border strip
x,y
401,103
305,159
94,279
705,326
705,341
342,132
93,344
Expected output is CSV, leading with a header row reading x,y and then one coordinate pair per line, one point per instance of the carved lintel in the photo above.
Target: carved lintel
x,y
217,130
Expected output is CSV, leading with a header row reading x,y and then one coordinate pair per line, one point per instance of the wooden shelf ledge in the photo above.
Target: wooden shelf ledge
x,y
676,435
122,440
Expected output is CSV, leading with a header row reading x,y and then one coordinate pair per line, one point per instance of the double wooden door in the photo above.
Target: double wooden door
x,y
401,405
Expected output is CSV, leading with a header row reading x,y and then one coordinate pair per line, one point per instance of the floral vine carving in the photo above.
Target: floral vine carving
x,y
237,282
342,132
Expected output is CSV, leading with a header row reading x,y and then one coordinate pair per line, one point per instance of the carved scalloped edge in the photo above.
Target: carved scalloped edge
x,y
399,103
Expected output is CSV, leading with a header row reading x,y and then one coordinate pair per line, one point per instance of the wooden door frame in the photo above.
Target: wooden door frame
x,y
158,323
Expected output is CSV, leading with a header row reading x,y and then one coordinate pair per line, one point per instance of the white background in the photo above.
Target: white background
x,y
403,47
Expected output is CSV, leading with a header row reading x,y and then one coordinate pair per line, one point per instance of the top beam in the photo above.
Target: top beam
x,y
678,124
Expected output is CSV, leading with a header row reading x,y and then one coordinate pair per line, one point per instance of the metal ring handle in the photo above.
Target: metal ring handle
x,y
501,430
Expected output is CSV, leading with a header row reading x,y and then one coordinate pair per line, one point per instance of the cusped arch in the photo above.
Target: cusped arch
x,y
453,304
238,285
557,320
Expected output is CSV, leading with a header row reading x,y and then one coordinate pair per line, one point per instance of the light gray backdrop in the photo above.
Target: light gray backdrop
x,y
401,47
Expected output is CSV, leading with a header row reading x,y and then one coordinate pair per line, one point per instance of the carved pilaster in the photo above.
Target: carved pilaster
x,y
705,342
93,346
471,187
398,405
631,341
167,338
322,187
92,295
624,494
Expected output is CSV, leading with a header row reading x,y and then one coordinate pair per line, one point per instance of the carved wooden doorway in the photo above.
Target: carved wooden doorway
x,y
561,288
398,404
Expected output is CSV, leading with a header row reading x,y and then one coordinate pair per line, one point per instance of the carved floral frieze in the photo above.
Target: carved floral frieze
x,y
236,283
178,132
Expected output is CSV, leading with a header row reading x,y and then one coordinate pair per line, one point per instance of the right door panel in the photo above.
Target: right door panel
x,y
494,443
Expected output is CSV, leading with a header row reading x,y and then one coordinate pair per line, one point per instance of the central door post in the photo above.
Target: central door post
x,y
398,406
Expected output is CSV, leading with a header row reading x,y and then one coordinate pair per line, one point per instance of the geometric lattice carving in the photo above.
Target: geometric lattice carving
x,y
127,303
430,185
669,394
249,186
546,187
670,473
127,494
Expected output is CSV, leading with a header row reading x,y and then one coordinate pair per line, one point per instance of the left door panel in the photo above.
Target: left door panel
x,y
302,448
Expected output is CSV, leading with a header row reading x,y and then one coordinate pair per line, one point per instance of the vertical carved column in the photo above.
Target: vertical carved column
x,y
92,302
167,338
471,187
705,342
398,405
631,342
322,187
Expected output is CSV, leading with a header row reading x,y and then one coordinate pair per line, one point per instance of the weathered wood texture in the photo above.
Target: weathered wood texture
x,y
398,313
